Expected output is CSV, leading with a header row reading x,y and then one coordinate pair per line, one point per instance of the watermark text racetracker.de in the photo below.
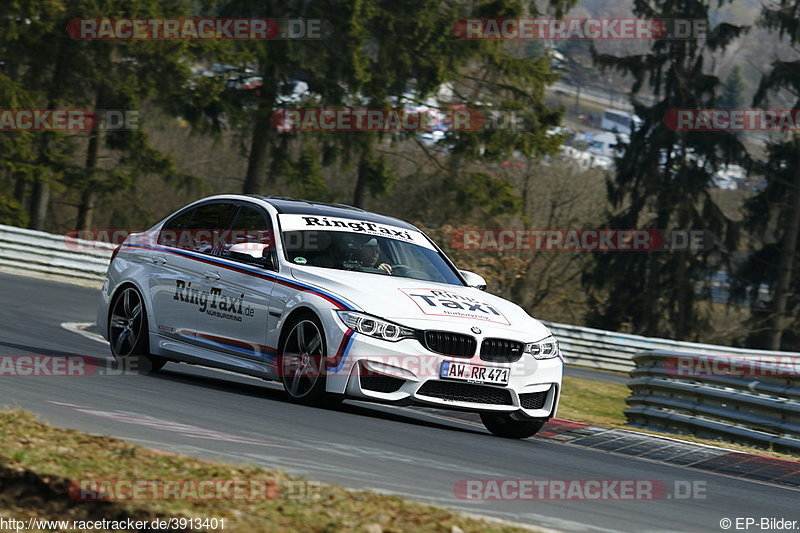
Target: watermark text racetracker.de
x,y
460,239
69,366
599,240
732,119
194,29
555,29
450,117
68,120
89,239
90,490
419,365
734,365
634,490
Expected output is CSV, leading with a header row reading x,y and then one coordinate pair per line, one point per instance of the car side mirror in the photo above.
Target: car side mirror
x,y
256,253
473,280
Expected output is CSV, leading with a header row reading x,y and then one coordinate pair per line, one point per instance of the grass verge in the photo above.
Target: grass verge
x,y
38,462
603,404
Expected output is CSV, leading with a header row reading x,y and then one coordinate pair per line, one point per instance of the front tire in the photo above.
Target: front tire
x,y
128,332
503,425
300,363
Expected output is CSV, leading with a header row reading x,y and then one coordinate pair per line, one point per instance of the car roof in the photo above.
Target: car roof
x,y
293,206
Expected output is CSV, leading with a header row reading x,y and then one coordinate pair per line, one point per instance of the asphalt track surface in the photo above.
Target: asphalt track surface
x,y
411,452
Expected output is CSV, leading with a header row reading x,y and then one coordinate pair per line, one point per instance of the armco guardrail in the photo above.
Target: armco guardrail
x,y
57,255
754,399
608,350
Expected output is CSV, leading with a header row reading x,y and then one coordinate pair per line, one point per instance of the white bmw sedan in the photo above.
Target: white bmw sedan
x,y
333,301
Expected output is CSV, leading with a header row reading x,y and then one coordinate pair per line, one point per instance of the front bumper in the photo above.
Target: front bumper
x,y
405,372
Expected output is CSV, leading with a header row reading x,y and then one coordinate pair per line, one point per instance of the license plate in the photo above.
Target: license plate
x,y
474,373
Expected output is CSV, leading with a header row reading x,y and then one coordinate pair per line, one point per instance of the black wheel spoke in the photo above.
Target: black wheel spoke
x,y
301,341
314,345
126,303
294,386
136,311
118,321
124,334
300,367
133,336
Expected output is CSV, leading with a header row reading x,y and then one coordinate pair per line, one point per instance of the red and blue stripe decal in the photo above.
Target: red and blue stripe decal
x,y
337,362
336,301
236,345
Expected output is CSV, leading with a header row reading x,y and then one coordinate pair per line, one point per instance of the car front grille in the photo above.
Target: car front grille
x,y
448,343
501,350
465,392
533,400
385,384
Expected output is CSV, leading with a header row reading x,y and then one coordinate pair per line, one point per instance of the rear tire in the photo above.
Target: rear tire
x,y
301,359
502,425
128,333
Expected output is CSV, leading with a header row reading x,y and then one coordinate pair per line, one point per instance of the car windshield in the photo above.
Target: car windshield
x,y
384,250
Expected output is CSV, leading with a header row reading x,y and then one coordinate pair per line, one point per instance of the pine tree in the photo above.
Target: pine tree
x,y
377,52
773,215
58,71
662,181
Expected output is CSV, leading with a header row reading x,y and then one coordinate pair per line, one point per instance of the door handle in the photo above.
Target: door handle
x,y
159,259
210,274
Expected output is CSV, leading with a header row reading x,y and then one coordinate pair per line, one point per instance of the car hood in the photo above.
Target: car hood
x,y
424,304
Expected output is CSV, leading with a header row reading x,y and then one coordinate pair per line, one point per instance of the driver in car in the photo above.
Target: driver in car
x,y
368,256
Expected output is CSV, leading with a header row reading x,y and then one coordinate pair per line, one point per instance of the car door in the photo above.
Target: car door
x,y
179,288
240,288
174,279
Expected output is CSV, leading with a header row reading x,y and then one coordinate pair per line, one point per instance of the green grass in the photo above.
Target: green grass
x,y
593,402
37,462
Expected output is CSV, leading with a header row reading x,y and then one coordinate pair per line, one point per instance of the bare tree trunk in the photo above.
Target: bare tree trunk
x,y
40,201
786,261
257,162
651,324
684,285
685,288
89,194
86,209
360,192
263,134
40,195
20,186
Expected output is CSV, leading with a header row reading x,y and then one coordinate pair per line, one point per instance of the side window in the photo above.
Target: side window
x,y
209,225
250,238
171,232
252,225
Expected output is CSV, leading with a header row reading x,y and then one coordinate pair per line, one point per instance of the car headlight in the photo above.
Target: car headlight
x,y
375,327
544,349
